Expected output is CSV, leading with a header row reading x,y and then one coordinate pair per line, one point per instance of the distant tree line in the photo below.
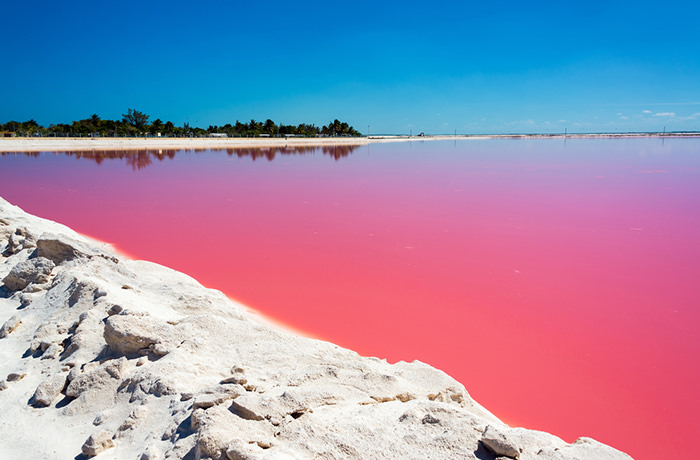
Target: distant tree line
x,y
136,124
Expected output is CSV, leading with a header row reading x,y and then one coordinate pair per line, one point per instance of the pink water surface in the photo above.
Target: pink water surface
x,y
557,281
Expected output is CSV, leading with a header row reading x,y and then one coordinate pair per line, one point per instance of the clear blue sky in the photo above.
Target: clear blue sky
x,y
437,67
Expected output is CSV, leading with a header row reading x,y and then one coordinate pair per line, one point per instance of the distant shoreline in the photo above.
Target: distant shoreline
x,y
535,136
45,144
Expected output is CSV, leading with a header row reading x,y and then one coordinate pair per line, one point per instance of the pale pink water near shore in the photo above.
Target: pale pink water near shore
x,y
557,281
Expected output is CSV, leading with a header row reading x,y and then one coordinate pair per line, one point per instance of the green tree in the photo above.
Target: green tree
x,y
81,127
12,126
108,127
29,127
338,128
138,120
269,127
254,128
156,126
307,130
60,129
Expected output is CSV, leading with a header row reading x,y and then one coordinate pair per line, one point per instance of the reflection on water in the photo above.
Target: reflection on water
x,y
139,159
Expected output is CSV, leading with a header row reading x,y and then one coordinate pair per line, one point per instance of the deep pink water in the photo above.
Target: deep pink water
x,y
557,281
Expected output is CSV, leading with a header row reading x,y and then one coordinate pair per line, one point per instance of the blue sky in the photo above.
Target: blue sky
x,y
398,67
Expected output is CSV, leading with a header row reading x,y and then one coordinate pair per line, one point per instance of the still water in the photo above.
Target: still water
x,y
558,280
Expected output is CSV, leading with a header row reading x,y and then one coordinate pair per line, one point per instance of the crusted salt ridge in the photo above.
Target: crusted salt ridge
x,y
110,357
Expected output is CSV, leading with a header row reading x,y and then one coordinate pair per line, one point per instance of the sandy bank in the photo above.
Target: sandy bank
x,y
46,144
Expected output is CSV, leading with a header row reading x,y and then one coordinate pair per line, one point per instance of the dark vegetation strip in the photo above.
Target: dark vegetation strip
x,y
137,124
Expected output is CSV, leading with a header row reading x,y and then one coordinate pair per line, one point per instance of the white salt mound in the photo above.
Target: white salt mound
x,y
114,358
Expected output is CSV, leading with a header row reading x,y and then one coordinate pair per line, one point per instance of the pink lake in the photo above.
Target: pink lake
x,y
558,281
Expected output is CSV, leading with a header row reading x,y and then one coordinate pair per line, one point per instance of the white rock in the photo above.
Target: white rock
x,y
10,325
583,448
60,248
97,443
498,441
128,334
29,271
15,243
48,390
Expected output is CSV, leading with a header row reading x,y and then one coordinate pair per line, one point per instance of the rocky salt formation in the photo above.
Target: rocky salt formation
x,y
109,357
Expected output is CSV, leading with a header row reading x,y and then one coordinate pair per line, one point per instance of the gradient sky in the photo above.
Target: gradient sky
x,y
435,67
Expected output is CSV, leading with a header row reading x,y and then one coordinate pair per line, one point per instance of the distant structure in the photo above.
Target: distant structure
x,y
218,135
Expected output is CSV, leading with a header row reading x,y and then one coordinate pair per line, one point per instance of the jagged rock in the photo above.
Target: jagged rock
x,y
583,448
223,434
48,390
133,419
59,248
47,334
129,333
96,379
15,243
5,232
251,407
63,248
29,271
25,299
86,337
53,351
19,240
97,443
500,443
29,241
206,401
292,403
142,384
238,450
238,377
83,291
9,326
